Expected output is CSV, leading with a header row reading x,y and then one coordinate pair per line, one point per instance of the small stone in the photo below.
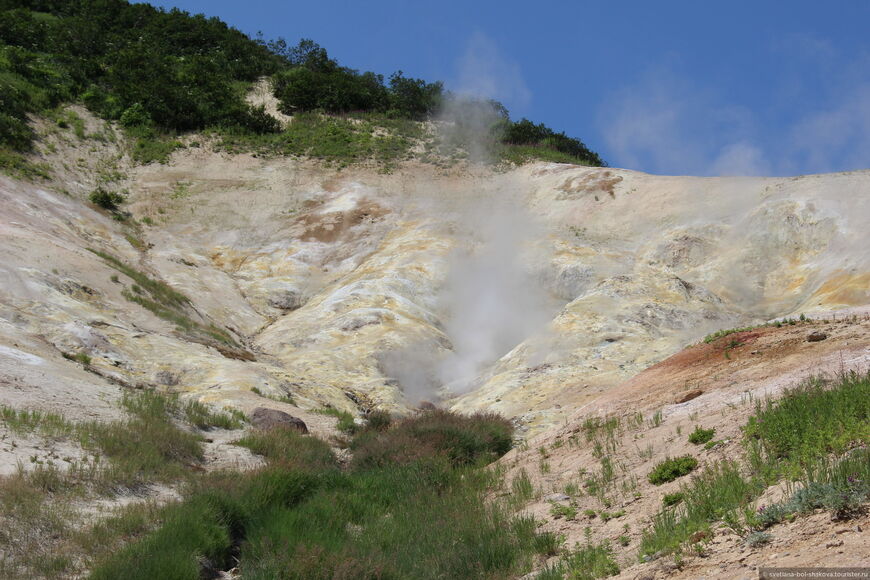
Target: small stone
x,y
263,418
688,396
816,336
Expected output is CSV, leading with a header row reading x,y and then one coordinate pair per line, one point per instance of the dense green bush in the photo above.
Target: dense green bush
x,y
414,98
317,82
176,70
672,468
106,199
524,132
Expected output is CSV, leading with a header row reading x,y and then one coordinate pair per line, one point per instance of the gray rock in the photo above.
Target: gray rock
x,y
286,300
263,418
558,497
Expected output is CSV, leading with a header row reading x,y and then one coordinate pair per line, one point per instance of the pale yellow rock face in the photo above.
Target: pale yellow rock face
x,y
323,275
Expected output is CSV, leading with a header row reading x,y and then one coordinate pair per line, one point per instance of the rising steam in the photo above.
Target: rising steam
x,y
489,302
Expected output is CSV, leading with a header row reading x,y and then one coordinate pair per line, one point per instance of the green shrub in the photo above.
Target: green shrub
x,y
841,486
106,199
671,499
757,539
672,468
464,440
699,435
379,420
135,116
607,516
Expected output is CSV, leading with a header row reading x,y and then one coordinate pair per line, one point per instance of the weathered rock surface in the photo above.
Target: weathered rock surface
x,y
321,274
263,418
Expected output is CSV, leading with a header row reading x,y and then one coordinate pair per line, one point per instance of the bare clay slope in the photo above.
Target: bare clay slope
x,y
313,276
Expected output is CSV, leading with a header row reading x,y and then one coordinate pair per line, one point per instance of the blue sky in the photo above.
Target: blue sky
x,y
669,87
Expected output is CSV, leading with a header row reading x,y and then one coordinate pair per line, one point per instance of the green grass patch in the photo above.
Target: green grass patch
x,y
672,499
27,421
463,440
815,433
147,446
154,149
303,517
16,164
285,446
160,291
671,469
789,435
725,332
567,511
521,154
586,562
700,436
203,417
840,486
339,140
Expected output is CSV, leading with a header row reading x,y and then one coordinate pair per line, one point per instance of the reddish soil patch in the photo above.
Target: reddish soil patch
x,y
745,360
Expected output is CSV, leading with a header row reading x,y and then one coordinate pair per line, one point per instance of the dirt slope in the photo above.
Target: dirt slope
x,y
714,385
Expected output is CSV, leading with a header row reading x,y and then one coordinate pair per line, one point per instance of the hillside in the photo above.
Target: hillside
x,y
245,281
500,358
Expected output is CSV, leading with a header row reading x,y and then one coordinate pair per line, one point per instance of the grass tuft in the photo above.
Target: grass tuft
x,y
671,469
700,436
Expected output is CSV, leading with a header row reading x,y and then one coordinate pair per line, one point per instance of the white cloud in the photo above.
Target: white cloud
x,y
663,123
836,138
